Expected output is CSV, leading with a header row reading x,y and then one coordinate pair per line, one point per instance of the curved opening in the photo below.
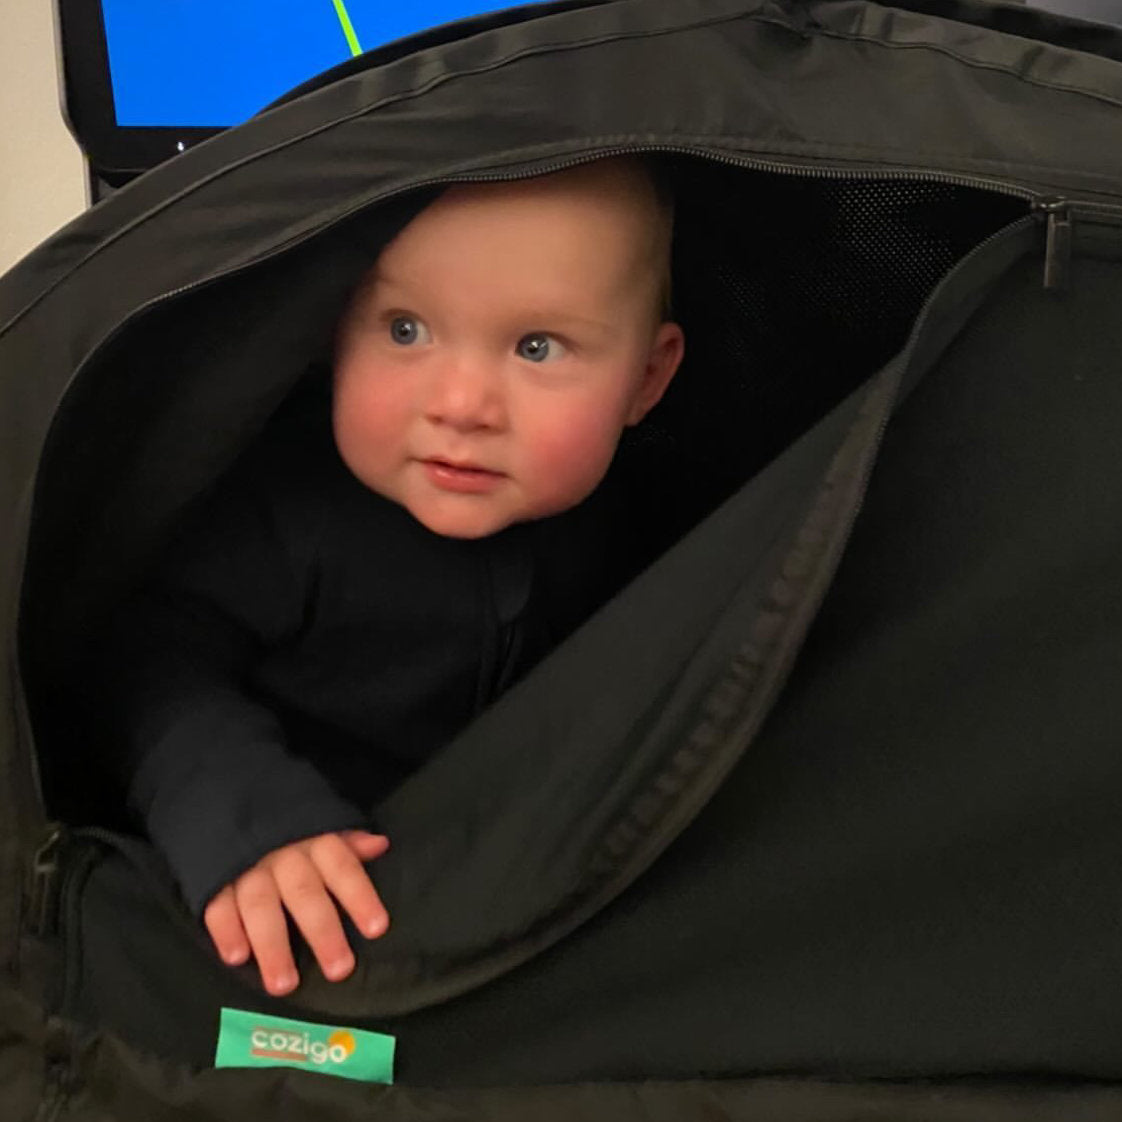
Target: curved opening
x,y
791,290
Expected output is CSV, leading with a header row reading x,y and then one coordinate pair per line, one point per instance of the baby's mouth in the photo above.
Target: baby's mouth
x,y
465,466
465,477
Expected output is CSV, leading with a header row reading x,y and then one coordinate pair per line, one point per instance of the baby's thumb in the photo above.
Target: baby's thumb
x,y
365,845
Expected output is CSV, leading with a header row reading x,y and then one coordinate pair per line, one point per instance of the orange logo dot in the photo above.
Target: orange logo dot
x,y
344,1039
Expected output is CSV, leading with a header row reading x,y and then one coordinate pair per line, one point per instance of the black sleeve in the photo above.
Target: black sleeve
x,y
206,764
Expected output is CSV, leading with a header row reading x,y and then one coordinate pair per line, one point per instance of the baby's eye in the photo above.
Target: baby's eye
x,y
538,347
407,330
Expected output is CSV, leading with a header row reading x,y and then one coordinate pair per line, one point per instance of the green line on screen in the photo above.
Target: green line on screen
x,y
348,27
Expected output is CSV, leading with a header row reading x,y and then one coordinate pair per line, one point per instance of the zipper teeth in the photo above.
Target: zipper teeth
x,y
1040,200
755,163
806,171
801,170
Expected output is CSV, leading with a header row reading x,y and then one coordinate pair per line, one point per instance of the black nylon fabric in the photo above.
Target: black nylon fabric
x,y
911,874
1012,18
109,1082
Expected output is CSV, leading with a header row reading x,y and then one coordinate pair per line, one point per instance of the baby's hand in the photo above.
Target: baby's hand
x,y
247,917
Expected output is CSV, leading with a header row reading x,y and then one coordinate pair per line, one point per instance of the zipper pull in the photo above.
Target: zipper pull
x,y
1058,243
44,872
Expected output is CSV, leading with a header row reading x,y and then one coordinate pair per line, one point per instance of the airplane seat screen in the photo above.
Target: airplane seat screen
x,y
214,63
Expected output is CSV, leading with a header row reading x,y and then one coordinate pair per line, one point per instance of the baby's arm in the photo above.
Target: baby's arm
x,y
206,762
248,917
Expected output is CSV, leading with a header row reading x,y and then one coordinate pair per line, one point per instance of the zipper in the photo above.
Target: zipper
x,y
1049,205
43,895
1058,242
1056,212
751,163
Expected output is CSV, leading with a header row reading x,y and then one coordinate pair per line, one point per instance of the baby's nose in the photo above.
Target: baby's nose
x,y
466,394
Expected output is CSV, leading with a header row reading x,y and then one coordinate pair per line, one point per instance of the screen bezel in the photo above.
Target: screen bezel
x,y
118,153
87,100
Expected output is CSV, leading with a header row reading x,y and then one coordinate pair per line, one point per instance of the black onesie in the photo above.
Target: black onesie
x,y
307,643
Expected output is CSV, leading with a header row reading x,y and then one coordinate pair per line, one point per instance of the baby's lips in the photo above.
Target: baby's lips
x,y
461,465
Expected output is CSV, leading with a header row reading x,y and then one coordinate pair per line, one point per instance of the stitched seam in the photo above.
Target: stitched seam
x,y
966,60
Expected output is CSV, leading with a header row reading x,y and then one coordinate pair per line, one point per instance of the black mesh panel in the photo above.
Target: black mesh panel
x,y
792,290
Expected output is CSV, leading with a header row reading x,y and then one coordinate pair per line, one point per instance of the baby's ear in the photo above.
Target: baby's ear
x,y
666,352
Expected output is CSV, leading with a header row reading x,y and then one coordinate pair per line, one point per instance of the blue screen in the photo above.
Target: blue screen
x,y
213,63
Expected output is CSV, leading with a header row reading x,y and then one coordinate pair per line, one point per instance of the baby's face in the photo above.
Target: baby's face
x,y
491,360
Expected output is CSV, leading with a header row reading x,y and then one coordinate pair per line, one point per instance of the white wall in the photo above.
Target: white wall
x,y
42,174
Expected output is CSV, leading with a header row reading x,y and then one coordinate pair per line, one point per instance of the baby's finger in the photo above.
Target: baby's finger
x,y
262,917
364,845
350,884
301,888
225,928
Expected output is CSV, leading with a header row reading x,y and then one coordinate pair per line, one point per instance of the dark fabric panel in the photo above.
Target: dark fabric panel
x,y
94,1078
49,1070
915,872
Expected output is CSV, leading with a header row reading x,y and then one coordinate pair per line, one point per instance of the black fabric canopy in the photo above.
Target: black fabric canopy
x,y
816,818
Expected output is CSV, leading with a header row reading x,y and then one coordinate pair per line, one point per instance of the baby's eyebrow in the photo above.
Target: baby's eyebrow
x,y
386,275
379,278
545,319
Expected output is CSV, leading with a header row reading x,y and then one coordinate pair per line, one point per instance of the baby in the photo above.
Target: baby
x,y
484,372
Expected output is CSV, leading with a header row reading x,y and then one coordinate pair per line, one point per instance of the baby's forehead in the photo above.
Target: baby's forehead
x,y
618,186
618,193
600,219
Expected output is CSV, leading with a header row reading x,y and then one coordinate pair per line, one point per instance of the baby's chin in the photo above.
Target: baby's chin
x,y
469,521
464,524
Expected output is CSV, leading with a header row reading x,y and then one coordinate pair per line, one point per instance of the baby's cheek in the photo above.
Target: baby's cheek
x,y
571,457
368,407
362,444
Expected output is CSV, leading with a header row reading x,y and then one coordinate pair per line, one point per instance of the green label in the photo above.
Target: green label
x,y
254,1040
